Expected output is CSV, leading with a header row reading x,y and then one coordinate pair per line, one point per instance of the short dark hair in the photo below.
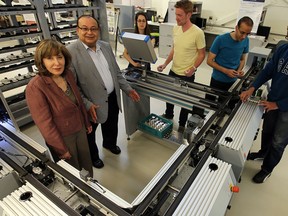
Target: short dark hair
x,y
247,20
47,48
147,29
185,5
88,16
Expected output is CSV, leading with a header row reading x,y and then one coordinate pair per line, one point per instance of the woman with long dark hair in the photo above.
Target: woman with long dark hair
x,y
141,27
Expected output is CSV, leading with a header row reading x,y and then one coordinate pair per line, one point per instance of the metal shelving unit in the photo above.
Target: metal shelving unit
x,y
17,47
24,37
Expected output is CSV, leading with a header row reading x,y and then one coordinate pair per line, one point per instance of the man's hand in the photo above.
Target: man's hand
x,y
240,73
92,112
189,72
232,73
160,68
246,94
268,106
134,95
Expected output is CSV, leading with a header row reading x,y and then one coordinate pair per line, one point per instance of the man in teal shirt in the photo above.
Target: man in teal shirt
x,y
227,55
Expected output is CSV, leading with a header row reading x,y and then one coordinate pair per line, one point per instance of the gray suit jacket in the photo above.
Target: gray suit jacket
x,y
89,80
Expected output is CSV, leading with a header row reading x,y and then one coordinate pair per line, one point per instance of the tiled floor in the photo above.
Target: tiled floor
x,y
128,173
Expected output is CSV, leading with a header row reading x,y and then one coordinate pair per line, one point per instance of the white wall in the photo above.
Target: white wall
x,y
136,3
276,17
227,10
161,6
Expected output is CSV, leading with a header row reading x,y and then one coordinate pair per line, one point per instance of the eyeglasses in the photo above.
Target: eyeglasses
x,y
92,29
243,32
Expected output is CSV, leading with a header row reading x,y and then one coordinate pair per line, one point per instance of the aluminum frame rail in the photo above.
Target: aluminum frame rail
x,y
210,193
97,187
174,169
37,204
68,177
168,89
5,169
21,141
236,141
9,180
86,189
27,178
116,199
176,91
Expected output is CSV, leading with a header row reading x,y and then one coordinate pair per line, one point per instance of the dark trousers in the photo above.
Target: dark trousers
x,y
109,128
78,148
170,107
222,86
218,85
267,131
274,138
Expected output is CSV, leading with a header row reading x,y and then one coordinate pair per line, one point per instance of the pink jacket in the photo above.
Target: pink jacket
x,y
53,112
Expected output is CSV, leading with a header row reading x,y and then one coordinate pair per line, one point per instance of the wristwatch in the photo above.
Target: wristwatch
x,y
195,69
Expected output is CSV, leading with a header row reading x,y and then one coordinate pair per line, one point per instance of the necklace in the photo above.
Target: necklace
x,y
62,83
68,90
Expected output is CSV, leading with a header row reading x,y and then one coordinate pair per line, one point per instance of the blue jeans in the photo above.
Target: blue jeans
x,y
275,138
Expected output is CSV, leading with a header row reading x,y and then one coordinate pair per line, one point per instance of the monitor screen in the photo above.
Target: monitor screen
x,y
139,47
150,13
166,17
263,31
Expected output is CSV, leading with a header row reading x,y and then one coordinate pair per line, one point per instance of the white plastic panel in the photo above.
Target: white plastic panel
x,y
37,205
210,193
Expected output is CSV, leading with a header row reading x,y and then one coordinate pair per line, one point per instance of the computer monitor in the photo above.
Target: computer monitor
x,y
139,47
201,22
263,31
150,13
166,17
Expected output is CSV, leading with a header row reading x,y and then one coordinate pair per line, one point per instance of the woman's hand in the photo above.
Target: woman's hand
x,y
137,64
89,129
66,155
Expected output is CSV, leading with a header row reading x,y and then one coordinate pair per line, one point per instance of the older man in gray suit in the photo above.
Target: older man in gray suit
x,y
100,80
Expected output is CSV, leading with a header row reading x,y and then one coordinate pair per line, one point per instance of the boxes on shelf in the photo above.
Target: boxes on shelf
x,y
156,125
